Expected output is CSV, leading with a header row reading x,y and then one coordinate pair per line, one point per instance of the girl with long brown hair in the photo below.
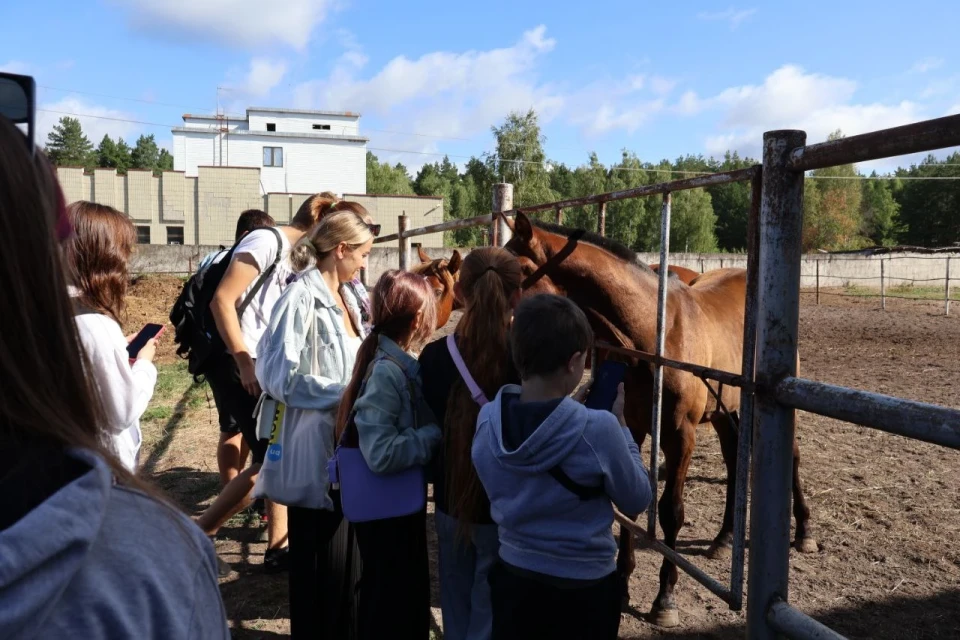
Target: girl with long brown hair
x,y
97,258
489,288
382,408
88,549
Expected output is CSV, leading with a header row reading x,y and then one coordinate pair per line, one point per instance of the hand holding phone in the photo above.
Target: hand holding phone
x,y
142,339
604,389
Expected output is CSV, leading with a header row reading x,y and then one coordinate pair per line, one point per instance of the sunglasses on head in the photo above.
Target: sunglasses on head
x,y
374,229
17,103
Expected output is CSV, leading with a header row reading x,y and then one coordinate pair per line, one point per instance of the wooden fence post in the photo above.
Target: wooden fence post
x,y
883,288
602,219
559,215
818,280
946,289
502,201
403,242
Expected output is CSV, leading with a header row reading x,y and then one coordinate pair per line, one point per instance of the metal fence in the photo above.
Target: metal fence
x,y
771,390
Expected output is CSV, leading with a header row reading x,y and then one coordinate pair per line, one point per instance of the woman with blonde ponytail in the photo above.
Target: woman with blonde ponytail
x,y
304,361
489,288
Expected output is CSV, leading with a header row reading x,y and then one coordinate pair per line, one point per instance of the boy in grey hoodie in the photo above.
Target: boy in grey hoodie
x,y
553,470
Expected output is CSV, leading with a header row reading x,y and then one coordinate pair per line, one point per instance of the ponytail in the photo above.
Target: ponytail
x,y
489,279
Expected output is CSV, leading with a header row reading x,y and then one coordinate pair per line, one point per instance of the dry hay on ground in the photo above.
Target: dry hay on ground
x,y
886,510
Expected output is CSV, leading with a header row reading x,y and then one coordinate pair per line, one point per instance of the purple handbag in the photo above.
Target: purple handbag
x,y
365,495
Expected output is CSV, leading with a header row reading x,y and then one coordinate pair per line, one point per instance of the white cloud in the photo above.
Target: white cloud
x,y
662,86
608,117
927,64
444,93
239,23
260,79
954,110
16,66
791,98
733,17
95,127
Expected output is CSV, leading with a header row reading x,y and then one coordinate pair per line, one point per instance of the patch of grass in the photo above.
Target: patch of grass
x,y
172,380
157,412
905,290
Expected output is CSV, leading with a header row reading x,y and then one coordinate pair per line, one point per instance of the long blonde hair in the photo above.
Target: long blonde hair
x,y
338,227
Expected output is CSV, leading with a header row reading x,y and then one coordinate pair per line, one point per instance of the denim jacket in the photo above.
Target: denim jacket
x,y
394,436
284,354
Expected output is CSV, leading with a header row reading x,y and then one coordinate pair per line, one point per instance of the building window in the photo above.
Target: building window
x,y
174,235
271,126
321,127
273,156
143,235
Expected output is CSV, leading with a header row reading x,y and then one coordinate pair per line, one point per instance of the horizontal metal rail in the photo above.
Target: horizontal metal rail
x,y
706,180
912,138
449,225
917,420
691,569
797,625
726,377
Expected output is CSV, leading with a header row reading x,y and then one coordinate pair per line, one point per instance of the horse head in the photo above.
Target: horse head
x,y
442,274
533,249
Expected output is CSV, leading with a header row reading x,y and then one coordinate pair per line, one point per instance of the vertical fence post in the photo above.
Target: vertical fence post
x,y
403,242
559,215
883,285
781,225
502,201
946,289
657,368
602,218
748,367
818,280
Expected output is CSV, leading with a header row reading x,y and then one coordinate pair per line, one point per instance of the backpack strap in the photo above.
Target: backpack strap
x,y
263,276
350,433
475,391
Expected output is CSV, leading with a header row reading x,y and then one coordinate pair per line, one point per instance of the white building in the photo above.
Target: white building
x,y
296,151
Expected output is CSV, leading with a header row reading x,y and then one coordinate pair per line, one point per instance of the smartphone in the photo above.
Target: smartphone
x,y
148,333
603,391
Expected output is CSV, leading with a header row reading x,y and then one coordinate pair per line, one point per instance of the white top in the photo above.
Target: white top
x,y
261,245
125,390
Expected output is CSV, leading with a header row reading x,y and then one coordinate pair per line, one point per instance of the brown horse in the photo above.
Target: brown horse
x,y
442,274
686,275
705,326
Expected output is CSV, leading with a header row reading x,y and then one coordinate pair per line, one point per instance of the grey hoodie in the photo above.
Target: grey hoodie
x,y
96,560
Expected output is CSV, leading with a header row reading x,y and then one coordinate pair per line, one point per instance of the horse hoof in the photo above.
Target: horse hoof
x,y
719,551
666,618
807,545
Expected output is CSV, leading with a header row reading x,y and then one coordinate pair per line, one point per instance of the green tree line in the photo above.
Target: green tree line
x,y
68,146
842,208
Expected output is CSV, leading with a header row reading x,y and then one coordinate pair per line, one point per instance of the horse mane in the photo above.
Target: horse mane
x,y
429,268
619,250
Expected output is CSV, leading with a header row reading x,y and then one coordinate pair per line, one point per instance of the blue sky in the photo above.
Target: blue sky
x,y
661,80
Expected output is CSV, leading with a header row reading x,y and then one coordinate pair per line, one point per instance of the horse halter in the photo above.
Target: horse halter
x,y
554,260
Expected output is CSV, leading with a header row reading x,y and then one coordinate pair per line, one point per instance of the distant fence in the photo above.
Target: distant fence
x,y
907,276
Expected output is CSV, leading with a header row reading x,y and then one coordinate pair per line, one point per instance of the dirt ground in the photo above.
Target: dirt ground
x,y
885,510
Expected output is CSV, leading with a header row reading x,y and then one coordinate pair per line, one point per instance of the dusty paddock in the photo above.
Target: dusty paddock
x,y
886,510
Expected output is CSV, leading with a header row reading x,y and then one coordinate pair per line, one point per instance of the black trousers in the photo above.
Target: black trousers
x,y
324,571
524,608
395,585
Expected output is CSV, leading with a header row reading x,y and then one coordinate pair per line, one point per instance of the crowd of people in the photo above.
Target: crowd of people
x,y
362,412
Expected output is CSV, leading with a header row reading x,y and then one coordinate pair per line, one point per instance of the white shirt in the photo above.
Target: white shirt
x,y
125,390
261,245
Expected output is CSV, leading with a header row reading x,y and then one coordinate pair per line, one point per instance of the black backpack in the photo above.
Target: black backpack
x,y
196,336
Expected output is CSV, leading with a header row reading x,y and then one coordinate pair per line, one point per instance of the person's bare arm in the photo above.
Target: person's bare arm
x,y
240,274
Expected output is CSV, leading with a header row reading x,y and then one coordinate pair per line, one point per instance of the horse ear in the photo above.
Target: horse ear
x,y
423,256
523,228
455,261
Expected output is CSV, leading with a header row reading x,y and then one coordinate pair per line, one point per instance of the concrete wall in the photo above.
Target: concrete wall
x,y
203,210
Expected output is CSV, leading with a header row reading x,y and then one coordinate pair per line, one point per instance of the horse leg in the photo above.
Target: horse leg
x,y
804,542
678,449
626,564
722,545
